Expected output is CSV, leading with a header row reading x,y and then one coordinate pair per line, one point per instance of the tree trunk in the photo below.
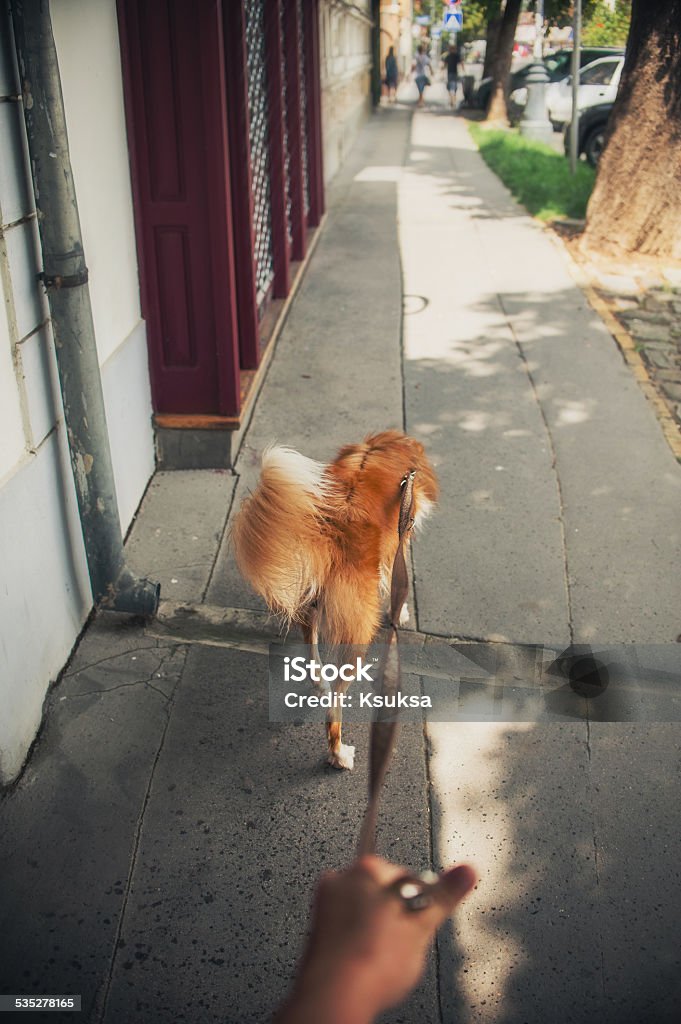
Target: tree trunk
x,y
635,206
492,38
497,110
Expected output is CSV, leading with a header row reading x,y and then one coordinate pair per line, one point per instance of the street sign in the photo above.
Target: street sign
x,y
453,20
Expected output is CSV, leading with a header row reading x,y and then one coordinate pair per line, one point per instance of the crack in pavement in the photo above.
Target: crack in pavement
x,y
101,1002
155,673
554,463
252,631
111,657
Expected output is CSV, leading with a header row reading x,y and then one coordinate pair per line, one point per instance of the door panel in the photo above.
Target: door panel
x,y
174,84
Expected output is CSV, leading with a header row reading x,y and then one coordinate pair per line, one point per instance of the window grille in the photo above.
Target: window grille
x,y
259,146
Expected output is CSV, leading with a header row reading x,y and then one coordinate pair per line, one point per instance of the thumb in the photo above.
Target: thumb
x,y
453,886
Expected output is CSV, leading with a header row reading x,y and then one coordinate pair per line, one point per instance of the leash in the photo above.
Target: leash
x,y
385,722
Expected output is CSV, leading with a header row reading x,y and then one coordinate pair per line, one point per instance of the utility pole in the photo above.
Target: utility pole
x,y
574,123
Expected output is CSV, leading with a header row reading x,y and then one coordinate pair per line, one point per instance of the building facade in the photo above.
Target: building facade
x,y
345,71
396,22
200,136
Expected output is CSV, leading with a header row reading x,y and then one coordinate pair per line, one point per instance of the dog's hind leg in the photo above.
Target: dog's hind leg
x,y
340,754
310,627
350,610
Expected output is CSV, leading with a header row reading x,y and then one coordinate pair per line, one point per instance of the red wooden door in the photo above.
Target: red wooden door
x,y
173,62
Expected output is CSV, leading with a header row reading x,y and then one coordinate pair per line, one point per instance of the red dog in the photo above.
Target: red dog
x,y
318,542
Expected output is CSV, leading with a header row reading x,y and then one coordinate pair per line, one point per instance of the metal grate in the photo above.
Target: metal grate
x,y
259,146
287,157
303,104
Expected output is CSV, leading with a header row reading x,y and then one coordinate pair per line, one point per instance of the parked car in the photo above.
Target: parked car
x,y
591,130
598,83
557,64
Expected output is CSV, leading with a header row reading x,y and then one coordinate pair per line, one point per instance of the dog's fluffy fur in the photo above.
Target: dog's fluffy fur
x,y
318,542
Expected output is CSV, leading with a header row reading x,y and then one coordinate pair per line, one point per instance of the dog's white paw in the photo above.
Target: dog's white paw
x,y
343,758
404,615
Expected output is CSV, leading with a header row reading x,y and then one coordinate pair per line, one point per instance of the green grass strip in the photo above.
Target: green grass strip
x,y
536,175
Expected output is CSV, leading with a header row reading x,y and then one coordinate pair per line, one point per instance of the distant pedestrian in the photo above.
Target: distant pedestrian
x,y
452,62
391,75
421,67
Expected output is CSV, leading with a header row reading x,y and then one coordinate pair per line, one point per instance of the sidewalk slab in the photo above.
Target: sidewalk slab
x,y
243,816
620,484
68,829
491,562
561,820
504,797
636,780
574,832
178,528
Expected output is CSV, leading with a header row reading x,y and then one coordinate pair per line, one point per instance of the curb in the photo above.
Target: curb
x,y
627,346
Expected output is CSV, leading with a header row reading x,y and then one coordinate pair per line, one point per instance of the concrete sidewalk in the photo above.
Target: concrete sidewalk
x,y
159,852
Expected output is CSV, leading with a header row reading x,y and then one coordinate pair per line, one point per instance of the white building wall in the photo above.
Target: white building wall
x,y
86,34
12,434
44,588
345,58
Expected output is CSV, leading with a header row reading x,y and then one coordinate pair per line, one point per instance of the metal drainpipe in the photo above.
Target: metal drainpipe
x,y
65,277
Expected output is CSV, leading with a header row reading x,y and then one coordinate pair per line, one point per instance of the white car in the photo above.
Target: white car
x,y
598,83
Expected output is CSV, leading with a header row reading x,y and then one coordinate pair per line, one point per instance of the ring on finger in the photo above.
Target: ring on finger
x,y
413,891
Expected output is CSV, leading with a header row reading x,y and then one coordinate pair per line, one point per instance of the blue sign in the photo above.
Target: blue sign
x,y
453,20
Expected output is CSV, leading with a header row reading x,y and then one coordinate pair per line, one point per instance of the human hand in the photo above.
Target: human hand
x,y
366,951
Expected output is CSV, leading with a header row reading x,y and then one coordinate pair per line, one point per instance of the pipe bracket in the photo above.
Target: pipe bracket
x,y
68,281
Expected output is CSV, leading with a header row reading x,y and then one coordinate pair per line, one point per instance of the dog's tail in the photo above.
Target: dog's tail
x,y
276,534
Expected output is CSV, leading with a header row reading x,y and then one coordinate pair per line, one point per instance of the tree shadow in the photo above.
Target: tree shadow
x,y
572,828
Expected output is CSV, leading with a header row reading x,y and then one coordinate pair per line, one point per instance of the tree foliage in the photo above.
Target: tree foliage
x,y
476,16
602,26
606,27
